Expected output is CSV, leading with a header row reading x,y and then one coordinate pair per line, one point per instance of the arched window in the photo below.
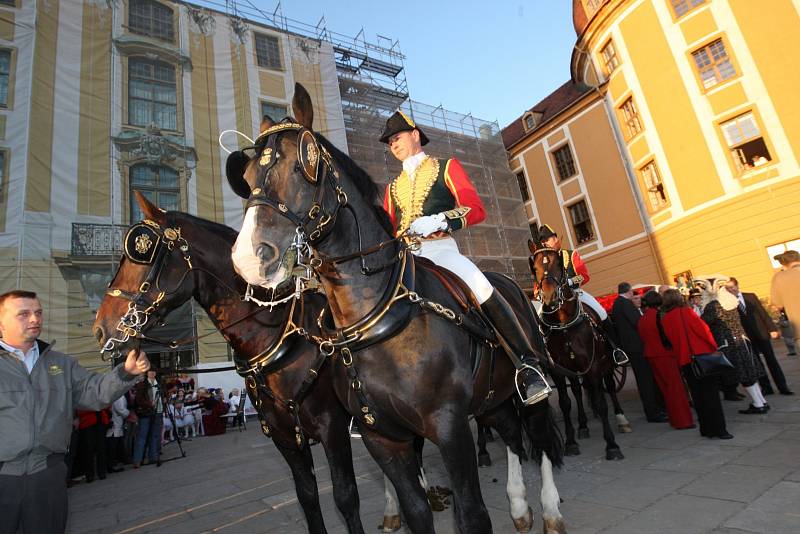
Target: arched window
x,y
152,19
152,94
158,183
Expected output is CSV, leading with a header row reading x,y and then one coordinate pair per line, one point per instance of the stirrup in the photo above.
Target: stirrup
x,y
619,357
536,397
353,430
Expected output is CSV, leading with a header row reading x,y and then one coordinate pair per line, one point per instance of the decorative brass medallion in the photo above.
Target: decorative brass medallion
x,y
266,157
170,234
143,243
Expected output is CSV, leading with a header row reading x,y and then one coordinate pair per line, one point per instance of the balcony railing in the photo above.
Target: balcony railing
x,y
97,239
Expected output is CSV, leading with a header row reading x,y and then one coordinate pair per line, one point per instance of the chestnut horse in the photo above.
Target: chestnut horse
x,y
190,257
577,348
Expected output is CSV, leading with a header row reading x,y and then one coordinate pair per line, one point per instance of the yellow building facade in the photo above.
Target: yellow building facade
x,y
98,99
699,98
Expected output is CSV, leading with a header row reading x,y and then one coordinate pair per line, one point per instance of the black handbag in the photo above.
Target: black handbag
x,y
708,364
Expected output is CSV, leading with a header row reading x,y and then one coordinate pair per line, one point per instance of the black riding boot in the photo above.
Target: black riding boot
x,y
610,333
533,387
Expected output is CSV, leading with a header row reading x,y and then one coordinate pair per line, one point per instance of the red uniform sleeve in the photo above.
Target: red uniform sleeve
x,y
466,196
388,205
580,267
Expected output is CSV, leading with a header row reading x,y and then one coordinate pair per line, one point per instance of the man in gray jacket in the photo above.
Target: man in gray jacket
x,y
39,392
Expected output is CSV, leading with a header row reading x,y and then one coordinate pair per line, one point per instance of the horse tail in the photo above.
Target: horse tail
x,y
543,433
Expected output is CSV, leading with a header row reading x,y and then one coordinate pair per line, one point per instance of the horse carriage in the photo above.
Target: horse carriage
x,y
359,346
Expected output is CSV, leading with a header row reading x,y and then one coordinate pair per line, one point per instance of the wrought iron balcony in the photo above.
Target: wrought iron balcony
x,y
97,239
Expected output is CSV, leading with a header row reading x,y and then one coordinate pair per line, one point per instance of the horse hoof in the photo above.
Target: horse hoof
x,y
583,433
484,460
572,449
391,523
554,526
614,454
624,429
524,523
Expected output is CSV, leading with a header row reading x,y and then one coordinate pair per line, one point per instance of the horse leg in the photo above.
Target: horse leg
x,y
507,422
571,447
551,515
484,460
623,425
305,483
547,449
599,403
398,460
391,513
458,453
345,490
577,392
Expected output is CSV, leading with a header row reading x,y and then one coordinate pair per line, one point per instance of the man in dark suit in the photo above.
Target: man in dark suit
x,y
626,317
760,329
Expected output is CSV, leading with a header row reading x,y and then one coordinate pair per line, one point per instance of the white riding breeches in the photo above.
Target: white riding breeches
x,y
444,252
590,301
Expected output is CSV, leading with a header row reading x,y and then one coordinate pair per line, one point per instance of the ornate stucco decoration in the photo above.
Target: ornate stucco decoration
x,y
140,45
201,20
151,146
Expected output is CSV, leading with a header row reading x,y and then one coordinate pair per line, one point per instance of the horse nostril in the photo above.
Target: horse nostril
x,y
268,253
98,334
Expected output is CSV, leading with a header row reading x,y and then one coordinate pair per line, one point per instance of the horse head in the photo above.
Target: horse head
x,y
151,280
292,196
549,273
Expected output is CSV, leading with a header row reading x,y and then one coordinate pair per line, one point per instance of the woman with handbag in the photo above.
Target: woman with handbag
x,y
690,337
661,356
722,318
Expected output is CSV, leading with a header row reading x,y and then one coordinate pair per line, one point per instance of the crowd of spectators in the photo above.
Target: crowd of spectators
x,y
670,326
136,427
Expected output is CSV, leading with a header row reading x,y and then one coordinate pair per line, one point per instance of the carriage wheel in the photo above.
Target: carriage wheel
x,y
620,374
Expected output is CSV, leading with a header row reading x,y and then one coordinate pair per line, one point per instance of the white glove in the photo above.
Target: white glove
x,y
425,226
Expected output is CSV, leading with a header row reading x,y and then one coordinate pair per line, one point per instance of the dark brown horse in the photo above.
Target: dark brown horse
x,y
576,347
402,364
190,257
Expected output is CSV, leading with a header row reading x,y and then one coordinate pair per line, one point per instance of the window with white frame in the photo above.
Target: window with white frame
x,y
268,51
609,55
747,145
630,116
653,186
275,112
150,18
156,182
713,64
681,7
530,122
565,164
152,94
581,222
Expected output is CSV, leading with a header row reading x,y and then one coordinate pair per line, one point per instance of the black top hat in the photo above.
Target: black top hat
x,y
400,122
546,232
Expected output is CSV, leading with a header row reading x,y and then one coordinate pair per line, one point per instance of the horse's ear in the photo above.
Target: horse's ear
x,y
302,107
150,210
266,122
532,246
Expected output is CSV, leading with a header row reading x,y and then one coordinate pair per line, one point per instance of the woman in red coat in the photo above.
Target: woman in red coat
x,y
664,364
689,335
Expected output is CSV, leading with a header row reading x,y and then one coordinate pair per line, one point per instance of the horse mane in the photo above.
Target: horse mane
x,y
369,190
174,217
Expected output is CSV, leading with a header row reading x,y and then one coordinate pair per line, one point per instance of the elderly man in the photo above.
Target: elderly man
x,y
761,330
41,388
785,292
433,198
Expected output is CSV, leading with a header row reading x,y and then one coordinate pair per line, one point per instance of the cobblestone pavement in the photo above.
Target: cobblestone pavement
x,y
670,481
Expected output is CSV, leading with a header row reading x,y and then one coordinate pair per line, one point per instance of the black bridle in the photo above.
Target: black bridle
x,y
314,161
315,225
146,243
563,294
